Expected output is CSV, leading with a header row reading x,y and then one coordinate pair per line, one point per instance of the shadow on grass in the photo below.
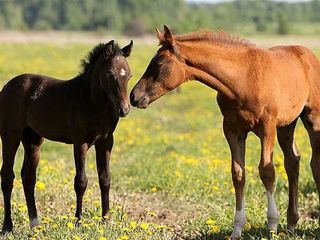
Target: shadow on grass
x,y
258,233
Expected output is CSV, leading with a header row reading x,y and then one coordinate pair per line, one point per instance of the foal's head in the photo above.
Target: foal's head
x,y
111,73
164,73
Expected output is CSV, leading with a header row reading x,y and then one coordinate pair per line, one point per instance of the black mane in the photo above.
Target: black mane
x,y
95,53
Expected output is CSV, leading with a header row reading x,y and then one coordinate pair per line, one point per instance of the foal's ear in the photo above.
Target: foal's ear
x,y
165,36
127,49
110,49
160,36
168,35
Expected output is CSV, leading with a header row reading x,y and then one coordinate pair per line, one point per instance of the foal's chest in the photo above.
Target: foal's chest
x,y
239,113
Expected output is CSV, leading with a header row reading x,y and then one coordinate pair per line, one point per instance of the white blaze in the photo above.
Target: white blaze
x,y
122,72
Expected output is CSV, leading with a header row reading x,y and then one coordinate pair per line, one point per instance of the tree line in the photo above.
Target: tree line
x,y
137,17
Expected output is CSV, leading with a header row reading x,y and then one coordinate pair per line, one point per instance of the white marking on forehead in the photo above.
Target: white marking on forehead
x,y
117,58
122,72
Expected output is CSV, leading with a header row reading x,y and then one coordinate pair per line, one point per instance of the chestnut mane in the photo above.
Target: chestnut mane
x,y
220,37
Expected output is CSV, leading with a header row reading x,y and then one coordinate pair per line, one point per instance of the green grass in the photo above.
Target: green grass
x,y
170,167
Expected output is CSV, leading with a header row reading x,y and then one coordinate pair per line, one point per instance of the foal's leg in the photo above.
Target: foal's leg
x,y
236,140
103,152
267,173
10,144
80,180
291,162
312,124
31,143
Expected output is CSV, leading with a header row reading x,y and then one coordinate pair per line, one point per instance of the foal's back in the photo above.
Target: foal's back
x,y
27,95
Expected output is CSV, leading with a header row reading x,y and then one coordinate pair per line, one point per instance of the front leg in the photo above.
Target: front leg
x,y
237,139
103,153
80,180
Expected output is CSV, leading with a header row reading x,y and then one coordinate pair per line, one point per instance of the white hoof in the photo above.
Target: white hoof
x,y
34,222
273,224
236,234
291,228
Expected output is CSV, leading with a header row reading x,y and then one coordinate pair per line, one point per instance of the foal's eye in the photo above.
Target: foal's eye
x,y
158,64
110,75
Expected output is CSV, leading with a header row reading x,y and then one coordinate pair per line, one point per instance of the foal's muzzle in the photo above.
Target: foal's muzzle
x,y
139,101
124,111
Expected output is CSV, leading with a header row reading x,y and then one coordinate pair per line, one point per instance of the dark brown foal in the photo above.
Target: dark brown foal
x,y
83,111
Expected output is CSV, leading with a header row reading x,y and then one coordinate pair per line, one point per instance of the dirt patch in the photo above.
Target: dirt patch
x,y
157,208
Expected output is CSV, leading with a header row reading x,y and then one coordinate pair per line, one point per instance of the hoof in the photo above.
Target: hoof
x,y
291,228
273,227
78,222
235,237
34,222
236,234
273,223
7,228
106,218
3,233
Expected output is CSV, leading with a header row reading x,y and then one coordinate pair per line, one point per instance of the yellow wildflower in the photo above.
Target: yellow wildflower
x,y
144,226
210,222
215,188
40,185
247,226
133,224
215,229
70,225
22,207
124,237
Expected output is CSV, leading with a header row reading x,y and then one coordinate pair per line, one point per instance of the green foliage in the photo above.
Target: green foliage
x,y
139,17
283,25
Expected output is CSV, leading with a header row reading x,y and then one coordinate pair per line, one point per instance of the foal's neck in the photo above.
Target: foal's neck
x,y
221,66
90,93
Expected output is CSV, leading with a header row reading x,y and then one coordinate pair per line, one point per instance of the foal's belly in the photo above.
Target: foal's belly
x,y
291,102
289,114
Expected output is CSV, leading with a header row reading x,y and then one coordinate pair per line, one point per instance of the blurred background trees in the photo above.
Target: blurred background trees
x,y
139,17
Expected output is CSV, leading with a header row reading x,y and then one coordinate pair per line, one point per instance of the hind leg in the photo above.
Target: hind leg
x,y
80,180
311,121
31,143
291,162
10,144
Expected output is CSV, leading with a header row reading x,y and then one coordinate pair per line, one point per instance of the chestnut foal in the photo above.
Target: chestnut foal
x,y
259,90
83,111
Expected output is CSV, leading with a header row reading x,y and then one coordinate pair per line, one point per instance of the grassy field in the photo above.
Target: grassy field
x,y
170,167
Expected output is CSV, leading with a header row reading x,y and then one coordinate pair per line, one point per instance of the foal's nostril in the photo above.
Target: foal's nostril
x,y
132,100
123,111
